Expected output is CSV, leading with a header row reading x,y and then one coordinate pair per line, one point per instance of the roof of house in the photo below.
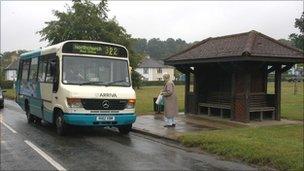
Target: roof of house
x,y
13,66
249,46
152,63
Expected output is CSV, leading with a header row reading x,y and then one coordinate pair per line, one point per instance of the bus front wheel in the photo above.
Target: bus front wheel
x,y
60,124
125,129
29,116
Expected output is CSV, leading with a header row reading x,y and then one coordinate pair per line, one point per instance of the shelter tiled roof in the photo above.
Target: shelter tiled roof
x,y
243,46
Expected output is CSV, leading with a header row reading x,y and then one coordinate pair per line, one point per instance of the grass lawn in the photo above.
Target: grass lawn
x,y
144,98
277,146
291,105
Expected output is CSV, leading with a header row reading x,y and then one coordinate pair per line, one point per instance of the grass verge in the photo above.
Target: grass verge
x,y
280,147
10,93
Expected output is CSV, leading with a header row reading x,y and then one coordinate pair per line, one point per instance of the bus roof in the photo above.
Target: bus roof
x,y
55,48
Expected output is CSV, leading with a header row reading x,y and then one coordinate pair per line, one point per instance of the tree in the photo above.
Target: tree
x,y
1,67
159,49
85,20
286,42
298,39
139,45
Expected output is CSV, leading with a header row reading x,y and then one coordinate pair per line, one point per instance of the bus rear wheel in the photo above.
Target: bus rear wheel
x,y
125,129
29,116
37,120
61,126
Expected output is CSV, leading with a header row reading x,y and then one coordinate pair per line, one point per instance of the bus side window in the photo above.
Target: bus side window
x,y
42,70
33,70
19,70
25,70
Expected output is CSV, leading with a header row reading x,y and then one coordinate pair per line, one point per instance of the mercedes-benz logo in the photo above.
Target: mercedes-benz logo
x,y
105,104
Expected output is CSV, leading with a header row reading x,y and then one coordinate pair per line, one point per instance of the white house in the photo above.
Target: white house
x,y
153,70
11,71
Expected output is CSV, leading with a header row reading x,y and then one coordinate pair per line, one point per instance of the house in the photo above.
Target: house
x,y
11,71
153,70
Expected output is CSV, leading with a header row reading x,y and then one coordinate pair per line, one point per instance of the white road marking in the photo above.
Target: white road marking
x,y
45,156
7,126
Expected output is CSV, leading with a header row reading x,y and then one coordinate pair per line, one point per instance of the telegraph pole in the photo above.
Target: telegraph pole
x,y
1,66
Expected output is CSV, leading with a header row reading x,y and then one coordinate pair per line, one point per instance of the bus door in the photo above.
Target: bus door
x,y
47,77
32,88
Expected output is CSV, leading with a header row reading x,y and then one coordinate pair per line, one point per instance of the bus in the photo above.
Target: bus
x,y
82,83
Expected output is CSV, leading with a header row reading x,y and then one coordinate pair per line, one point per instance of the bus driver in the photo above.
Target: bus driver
x,y
72,75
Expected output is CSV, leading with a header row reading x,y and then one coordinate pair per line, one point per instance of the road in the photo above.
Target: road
x,y
38,147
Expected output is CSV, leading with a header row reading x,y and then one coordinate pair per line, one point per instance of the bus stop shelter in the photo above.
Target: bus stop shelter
x,y
227,76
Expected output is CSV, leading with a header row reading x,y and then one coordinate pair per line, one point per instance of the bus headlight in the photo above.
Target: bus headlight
x,y
74,102
131,104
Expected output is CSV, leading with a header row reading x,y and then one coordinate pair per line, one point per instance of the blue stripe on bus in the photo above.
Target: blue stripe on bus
x,y
30,54
89,120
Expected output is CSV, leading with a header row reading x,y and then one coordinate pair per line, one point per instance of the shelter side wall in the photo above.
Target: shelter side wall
x,y
213,81
258,80
240,102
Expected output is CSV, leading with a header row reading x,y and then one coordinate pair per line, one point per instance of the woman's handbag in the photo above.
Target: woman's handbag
x,y
160,100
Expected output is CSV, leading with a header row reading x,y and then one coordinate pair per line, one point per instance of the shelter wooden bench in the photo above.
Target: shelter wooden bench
x,y
258,103
217,101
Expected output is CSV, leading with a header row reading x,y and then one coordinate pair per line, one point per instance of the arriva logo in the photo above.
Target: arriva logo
x,y
107,95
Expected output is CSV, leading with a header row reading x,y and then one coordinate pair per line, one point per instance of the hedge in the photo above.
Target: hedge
x,y
7,84
160,83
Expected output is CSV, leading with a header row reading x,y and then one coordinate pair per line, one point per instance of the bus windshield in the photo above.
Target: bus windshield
x,y
95,71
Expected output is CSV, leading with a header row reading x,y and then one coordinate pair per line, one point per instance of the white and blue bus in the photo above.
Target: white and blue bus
x,y
84,83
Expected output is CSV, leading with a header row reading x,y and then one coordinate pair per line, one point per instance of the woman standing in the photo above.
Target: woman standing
x,y
170,101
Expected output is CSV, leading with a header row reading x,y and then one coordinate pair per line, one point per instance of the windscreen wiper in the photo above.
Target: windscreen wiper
x,y
92,83
113,82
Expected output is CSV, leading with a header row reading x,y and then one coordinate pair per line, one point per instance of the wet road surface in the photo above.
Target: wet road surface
x,y
38,147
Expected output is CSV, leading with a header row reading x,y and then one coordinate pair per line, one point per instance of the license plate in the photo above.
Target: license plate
x,y
105,118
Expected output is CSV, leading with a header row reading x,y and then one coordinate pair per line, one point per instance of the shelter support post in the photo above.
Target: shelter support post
x,y
232,111
247,94
187,89
241,92
277,90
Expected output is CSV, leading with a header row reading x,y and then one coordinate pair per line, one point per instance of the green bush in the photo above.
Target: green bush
x,y
10,94
7,84
136,80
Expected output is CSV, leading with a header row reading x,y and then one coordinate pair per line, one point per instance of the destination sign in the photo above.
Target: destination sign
x,y
94,49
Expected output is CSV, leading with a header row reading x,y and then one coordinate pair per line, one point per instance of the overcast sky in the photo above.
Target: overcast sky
x,y
191,21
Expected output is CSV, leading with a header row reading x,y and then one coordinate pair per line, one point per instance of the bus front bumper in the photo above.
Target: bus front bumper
x,y
91,120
